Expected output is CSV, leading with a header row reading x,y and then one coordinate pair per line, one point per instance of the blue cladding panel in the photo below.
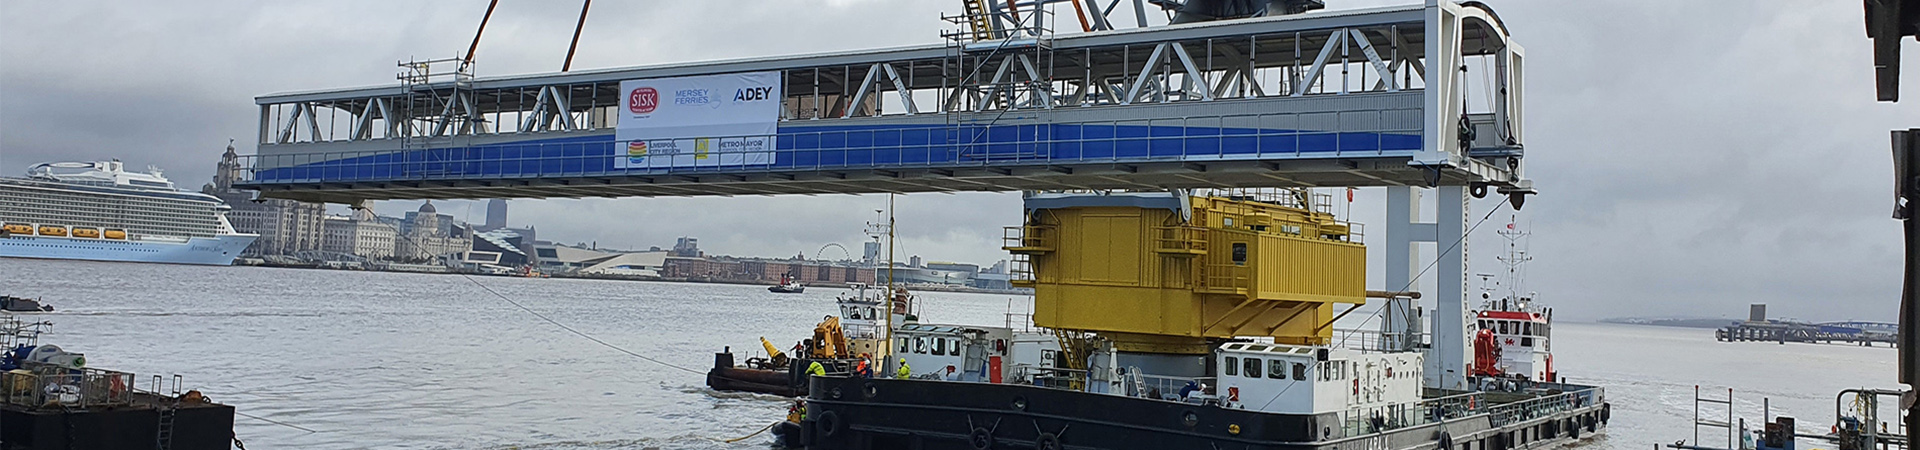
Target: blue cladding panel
x,y
858,147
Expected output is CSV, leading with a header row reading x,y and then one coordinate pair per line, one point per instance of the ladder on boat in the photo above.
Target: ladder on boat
x,y
1710,403
168,407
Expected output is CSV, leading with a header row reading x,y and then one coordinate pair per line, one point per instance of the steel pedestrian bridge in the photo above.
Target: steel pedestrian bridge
x,y
1419,95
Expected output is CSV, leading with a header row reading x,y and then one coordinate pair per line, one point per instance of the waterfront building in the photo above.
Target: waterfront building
x,y
554,258
501,247
687,247
496,215
637,264
427,235
285,226
704,268
360,234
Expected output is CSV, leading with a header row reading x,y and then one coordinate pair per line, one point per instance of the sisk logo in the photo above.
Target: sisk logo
x,y
753,94
643,100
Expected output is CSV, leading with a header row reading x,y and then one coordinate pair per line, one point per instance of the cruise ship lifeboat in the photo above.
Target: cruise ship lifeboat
x,y
18,228
50,230
92,233
115,234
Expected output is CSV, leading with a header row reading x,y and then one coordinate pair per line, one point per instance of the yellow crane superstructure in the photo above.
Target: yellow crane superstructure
x,y
1168,272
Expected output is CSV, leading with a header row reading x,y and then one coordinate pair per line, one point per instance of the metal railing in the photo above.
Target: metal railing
x,y
1222,138
1028,238
1020,270
1156,387
1228,278
1545,405
1376,340
1181,240
72,388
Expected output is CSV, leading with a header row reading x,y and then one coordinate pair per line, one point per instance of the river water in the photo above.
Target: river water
x,y
389,360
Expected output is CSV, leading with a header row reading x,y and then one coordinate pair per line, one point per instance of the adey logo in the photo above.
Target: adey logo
x,y
643,100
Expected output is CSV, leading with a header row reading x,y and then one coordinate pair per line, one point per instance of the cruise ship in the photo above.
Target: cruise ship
x,y
99,211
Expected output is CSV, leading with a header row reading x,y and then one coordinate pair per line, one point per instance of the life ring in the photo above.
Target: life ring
x,y
828,423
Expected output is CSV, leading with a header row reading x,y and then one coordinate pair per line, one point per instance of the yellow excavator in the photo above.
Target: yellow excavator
x,y
829,341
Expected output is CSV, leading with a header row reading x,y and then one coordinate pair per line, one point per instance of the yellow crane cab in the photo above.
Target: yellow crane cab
x,y
18,228
53,230
115,234
91,233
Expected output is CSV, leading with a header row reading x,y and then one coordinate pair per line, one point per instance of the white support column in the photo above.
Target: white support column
x,y
1450,340
1403,234
1442,84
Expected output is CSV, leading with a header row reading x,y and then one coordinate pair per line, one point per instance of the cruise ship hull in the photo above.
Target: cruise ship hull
x,y
219,250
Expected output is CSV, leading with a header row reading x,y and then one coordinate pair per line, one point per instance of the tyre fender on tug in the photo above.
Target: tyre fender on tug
x,y
827,424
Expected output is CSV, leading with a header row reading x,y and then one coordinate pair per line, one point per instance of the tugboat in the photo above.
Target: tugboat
x,y
788,285
22,304
1514,334
52,399
1177,328
839,343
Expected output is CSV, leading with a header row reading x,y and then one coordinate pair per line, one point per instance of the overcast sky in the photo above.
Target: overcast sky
x,y
1692,157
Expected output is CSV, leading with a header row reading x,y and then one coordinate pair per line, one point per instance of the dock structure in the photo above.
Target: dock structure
x,y
1858,333
1427,95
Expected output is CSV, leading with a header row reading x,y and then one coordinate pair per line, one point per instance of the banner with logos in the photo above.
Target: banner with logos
x,y
700,121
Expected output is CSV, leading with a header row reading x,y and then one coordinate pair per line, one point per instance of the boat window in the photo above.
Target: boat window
x,y
1277,369
1253,367
1526,341
904,348
1232,366
1506,327
870,313
953,347
1239,253
939,347
1299,371
1526,328
920,345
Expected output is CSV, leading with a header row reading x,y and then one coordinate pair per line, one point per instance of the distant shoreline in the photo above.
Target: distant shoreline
x,y
425,269
1712,324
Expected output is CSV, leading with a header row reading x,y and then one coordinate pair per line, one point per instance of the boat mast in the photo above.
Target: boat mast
x,y
888,293
1515,257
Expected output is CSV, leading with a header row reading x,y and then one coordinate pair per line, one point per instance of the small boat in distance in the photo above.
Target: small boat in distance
x,y
21,304
788,285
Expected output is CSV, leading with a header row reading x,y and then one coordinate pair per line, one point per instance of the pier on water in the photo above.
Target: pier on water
x,y
1859,333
